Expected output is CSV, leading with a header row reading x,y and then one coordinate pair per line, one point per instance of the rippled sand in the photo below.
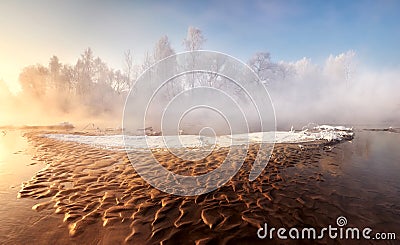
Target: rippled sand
x,y
101,199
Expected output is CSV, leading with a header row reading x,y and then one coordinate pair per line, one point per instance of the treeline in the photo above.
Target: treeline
x,y
91,84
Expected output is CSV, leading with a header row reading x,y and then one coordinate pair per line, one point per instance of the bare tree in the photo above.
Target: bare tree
x,y
194,39
163,49
68,79
84,69
268,71
128,68
34,81
147,62
118,81
260,63
55,69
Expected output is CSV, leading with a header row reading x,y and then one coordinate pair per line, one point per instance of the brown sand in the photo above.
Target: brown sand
x,y
101,199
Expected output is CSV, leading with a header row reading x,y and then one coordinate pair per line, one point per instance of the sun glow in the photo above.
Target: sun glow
x,y
9,75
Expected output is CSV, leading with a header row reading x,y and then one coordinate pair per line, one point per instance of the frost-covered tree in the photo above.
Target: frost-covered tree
x,y
147,61
261,63
54,70
163,49
268,71
34,81
194,39
341,66
84,70
129,72
68,79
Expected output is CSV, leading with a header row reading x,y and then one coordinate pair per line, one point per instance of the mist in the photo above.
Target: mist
x,y
342,90
88,92
19,110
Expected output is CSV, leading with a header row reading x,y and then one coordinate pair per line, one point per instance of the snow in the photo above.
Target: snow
x,y
337,128
324,132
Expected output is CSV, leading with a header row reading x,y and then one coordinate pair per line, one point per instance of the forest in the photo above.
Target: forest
x,y
96,87
336,91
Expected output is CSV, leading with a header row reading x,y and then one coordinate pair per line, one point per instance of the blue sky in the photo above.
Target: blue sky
x,y
32,31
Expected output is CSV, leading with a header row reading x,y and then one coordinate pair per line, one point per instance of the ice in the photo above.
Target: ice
x,y
323,132
337,128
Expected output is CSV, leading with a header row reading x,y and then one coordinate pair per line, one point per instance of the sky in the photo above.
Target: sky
x,y
32,31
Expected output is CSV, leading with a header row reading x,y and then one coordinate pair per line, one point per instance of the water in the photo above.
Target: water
x,y
366,182
14,168
361,183
18,222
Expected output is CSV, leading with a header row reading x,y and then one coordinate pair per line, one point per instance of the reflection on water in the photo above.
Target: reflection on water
x,y
13,160
367,187
13,170
18,222
374,159
358,179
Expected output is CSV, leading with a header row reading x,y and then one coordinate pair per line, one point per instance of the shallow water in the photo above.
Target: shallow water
x,y
368,180
14,168
18,222
357,179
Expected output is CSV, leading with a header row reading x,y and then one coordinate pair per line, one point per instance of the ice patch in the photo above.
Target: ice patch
x,y
324,132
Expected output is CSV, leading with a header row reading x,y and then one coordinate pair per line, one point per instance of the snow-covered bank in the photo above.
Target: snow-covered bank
x,y
324,132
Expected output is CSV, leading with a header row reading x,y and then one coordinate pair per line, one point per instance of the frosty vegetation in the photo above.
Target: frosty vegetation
x,y
337,92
